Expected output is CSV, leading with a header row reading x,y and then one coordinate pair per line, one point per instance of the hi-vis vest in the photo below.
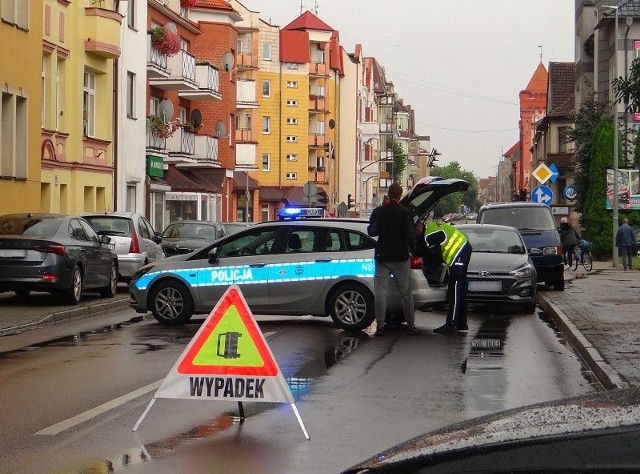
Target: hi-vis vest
x,y
454,240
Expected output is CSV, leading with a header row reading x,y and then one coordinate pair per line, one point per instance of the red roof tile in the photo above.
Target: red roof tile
x,y
539,80
221,4
308,21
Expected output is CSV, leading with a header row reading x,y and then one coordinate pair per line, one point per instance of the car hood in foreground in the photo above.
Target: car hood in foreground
x,y
496,262
595,431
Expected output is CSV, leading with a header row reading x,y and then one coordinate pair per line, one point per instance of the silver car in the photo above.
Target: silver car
x,y
500,270
136,242
318,267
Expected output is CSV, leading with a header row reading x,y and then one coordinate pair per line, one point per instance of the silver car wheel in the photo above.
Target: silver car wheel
x,y
73,294
352,307
171,303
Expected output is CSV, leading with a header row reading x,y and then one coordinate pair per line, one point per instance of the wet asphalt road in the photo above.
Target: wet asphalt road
x,y
71,401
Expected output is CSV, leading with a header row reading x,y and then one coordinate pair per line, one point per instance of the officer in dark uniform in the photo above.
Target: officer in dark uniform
x,y
455,250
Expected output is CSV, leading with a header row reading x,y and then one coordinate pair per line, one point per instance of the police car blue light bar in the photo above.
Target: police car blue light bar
x,y
287,213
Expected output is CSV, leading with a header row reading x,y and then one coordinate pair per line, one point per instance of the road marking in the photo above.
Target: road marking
x,y
110,405
99,410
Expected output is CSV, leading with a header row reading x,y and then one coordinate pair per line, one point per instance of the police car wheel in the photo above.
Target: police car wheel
x,y
171,303
351,307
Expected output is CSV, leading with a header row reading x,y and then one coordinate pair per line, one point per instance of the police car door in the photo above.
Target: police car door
x,y
243,260
300,275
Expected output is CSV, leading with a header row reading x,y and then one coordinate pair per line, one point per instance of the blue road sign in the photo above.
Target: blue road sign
x,y
555,174
542,194
570,192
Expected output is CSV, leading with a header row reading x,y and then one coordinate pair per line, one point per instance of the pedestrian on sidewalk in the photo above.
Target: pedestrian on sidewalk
x,y
626,242
391,223
569,238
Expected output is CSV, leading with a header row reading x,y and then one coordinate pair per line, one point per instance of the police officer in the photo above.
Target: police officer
x,y
455,250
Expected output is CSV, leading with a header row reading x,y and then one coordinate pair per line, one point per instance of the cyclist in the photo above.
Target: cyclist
x,y
569,238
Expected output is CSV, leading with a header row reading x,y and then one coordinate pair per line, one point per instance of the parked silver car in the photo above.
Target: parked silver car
x,y
319,267
135,241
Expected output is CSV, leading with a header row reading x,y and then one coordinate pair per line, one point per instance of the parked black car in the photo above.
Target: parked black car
x,y
183,237
55,253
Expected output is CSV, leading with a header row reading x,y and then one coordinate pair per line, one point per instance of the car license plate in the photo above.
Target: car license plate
x,y
485,286
12,253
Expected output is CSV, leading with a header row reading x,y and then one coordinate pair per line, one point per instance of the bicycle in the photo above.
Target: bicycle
x,y
582,255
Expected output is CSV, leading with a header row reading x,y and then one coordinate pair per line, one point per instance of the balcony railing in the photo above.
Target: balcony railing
x,y
102,30
318,105
246,93
182,76
155,141
244,135
208,82
316,139
181,144
156,61
246,60
206,149
318,69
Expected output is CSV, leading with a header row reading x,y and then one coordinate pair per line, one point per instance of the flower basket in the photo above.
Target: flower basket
x,y
188,3
165,41
157,126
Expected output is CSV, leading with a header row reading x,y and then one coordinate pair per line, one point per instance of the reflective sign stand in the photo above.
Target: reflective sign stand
x,y
241,412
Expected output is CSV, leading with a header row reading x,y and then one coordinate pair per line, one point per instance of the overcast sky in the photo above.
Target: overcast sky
x,y
459,63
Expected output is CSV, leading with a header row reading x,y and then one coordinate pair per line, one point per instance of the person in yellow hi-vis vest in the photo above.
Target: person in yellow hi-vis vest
x,y
455,250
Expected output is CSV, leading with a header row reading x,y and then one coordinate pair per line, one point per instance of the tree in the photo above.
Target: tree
x,y
596,219
399,160
586,121
454,201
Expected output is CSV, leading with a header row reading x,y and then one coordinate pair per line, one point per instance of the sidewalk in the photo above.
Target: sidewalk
x,y
599,314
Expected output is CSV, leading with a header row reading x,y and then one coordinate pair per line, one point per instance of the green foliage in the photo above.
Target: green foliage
x,y
452,202
628,90
583,133
596,219
399,160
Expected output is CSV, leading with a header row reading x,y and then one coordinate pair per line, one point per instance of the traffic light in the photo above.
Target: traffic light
x,y
322,198
350,202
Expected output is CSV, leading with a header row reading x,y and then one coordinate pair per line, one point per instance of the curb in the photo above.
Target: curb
x,y
59,316
608,377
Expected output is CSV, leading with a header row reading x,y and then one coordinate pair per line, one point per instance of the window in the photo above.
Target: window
x,y
292,65
292,157
292,84
182,115
16,12
320,56
292,103
131,198
266,161
43,85
292,175
131,14
266,124
292,121
266,51
563,134
89,105
292,139
59,92
313,240
13,133
258,242
131,87
266,88
265,212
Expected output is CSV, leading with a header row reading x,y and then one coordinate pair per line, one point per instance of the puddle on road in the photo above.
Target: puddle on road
x,y
487,346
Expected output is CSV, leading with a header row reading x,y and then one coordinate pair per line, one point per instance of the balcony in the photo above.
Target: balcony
x,y
208,81
316,140
246,95
386,128
156,62
385,100
156,143
246,154
181,147
246,61
182,75
102,29
244,135
317,105
318,69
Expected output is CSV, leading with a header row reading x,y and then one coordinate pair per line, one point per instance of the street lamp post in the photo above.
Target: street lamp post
x,y
614,198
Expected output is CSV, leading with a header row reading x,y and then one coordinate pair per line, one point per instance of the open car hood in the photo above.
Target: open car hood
x,y
428,191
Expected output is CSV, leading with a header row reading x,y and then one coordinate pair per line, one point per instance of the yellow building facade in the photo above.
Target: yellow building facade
x,y
79,43
21,96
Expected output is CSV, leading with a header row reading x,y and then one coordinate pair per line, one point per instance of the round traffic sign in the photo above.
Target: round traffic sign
x,y
570,192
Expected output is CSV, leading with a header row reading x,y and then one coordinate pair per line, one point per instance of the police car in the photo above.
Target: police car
x,y
310,266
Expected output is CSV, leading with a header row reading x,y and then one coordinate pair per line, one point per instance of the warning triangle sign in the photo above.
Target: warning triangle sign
x,y
227,359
